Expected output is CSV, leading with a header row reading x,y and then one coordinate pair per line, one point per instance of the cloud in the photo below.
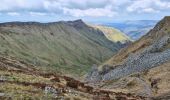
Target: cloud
x,y
163,4
82,8
20,5
84,4
73,7
13,13
148,6
37,14
149,10
96,12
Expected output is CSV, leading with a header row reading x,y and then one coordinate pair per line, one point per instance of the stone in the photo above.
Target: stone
x,y
2,94
150,57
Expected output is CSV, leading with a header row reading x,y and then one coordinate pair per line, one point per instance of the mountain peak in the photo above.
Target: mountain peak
x,y
161,27
77,23
167,17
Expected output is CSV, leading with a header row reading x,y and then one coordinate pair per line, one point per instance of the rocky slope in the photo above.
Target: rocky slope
x,y
69,47
22,81
149,55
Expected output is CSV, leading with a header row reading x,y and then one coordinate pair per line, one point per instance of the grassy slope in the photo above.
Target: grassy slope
x,y
23,81
113,34
71,47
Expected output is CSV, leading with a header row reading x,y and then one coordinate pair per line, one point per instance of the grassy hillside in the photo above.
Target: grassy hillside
x,y
69,47
23,81
135,29
113,34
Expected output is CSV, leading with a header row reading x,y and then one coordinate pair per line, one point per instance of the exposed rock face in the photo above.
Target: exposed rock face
x,y
93,75
157,53
141,68
149,58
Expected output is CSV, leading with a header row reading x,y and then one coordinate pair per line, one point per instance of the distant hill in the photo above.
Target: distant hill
x,y
113,34
69,47
134,29
141,68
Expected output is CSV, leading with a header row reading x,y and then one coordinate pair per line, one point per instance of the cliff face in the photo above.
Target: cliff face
x,y
151,51
69,47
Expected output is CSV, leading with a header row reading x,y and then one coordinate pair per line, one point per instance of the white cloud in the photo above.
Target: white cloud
x,y
149,10
148,6
163,4
73,7
98,12
20,5
82,8
13,13
37,14
139,5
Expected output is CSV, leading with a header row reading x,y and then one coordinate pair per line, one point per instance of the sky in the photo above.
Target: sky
x,y
96,11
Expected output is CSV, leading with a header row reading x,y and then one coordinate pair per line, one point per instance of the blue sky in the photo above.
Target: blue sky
x,y
89,10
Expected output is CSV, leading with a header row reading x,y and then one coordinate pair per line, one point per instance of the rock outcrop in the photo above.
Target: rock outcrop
x,y
143,58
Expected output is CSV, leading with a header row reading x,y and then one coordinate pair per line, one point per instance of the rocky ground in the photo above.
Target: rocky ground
x,y
125,69
22,81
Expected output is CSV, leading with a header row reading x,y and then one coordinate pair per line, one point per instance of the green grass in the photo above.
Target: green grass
x,y
18,91
69,49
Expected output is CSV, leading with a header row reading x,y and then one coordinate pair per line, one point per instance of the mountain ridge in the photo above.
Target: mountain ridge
x,y
135,29
113,34
66,44
137,68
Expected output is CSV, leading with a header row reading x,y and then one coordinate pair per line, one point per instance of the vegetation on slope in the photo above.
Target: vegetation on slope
x,y
22,81
135,29
69,47
113,34
141,68
160,30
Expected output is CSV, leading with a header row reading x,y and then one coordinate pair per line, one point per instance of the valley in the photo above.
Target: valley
x,y
84,50
69,60
139,67
68,47
135,29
